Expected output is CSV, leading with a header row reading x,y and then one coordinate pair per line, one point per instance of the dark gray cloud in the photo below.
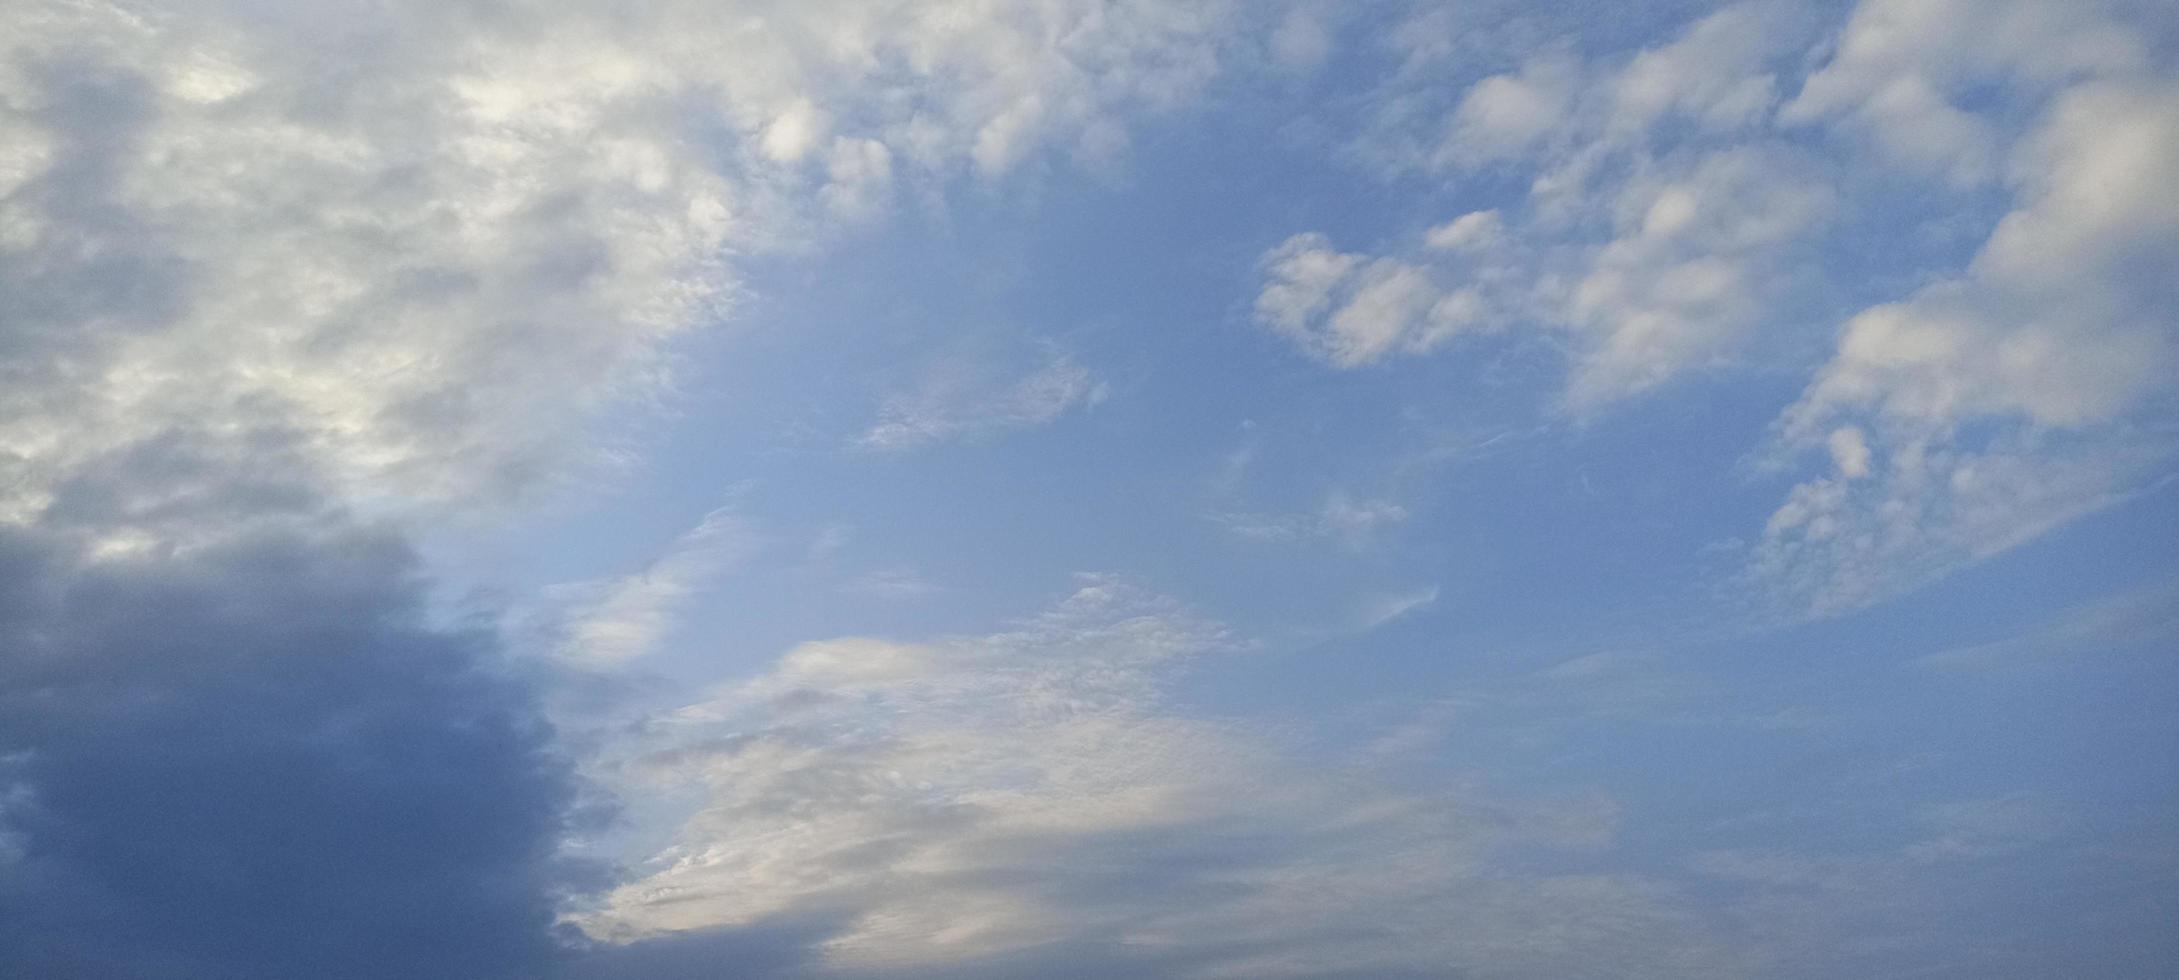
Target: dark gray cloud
x,y
256,758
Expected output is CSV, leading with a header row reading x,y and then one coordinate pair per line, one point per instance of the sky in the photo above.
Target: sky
x,y
846,489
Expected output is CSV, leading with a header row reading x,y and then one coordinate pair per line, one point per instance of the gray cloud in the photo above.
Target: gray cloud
x,y
256,758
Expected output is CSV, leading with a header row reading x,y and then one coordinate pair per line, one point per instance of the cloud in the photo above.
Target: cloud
x,y
256,759
2144,619
438,239
1302,41
1381,609
1679,199
1008,803
1657,228
2001,402
960,400
612,621
1349,310
1355,522
1901,70
1504,116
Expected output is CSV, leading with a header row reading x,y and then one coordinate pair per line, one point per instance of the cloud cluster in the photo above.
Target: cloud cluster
x,y
1657,221
1998,401
1677,198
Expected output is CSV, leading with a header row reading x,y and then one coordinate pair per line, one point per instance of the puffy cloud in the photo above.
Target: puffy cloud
x,y
1692,274
1902,68
1504,116
1010,802
2000,401
2059,318
1655,231
1349,310
1717,73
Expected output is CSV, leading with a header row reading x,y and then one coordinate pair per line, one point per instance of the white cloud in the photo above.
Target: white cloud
x,y
1674,206
1997,402
1902,67
1657,227
793,132
1350,310
960,400
1716,73
1302,41
1355,522
1378,610
2059,319
1476,229
1849,452
1927,509
1698,255
433,241
613,621
904,787
1506,115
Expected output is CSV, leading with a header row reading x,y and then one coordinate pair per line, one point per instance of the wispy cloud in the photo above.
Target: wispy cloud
x,y
1377,610
612,621
1342,517
961,401
896,785
891,583
2142,619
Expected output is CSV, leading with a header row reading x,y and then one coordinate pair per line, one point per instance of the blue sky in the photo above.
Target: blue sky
x,y
858,489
